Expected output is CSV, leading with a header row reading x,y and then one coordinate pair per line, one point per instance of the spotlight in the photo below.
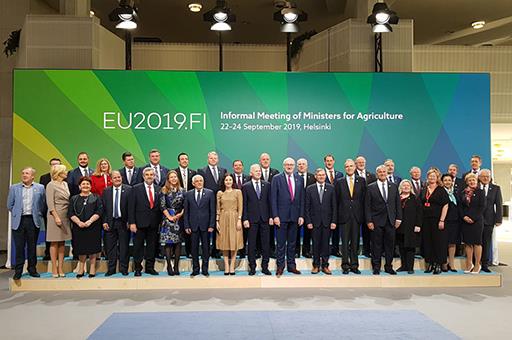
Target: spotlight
x,y
125,16
478,24
382,28
127,25
289,14
195,7
220,17
221,27
382,18
289,27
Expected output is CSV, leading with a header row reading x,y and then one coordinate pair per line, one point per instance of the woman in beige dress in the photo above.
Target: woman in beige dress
x,y
229,223
58,229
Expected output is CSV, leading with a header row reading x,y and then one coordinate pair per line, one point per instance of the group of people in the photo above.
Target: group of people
x,y
263,214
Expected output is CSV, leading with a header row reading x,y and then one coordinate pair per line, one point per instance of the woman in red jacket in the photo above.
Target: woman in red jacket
x,y
101,177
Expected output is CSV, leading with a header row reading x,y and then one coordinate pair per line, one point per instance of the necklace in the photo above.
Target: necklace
x,y
79,214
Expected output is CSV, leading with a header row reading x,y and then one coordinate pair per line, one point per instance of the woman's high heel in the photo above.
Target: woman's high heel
x,y
450,269
78,276
470,269
429,269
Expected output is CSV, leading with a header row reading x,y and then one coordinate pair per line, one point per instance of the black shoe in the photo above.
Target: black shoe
x,y
258,255
78,276
337,253
410,271
297,255
92,275
390,271
151,272
17,276
124,273
266,271
241,256
430,269
486,269
367,254
46,258
137,273
345,271
189,256
355,271
401,269
437,270
450,269
273,254
110,273
232,273
170,272
252,272
194,274
307,254
376,272
206,274
226,273
177,272
36,274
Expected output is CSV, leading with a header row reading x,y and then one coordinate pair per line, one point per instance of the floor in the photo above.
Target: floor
x,y
470,313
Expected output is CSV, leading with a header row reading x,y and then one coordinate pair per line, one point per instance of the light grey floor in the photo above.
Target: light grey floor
x,y
483,313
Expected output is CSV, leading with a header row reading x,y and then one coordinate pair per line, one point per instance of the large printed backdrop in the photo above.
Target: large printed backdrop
x,y
57,113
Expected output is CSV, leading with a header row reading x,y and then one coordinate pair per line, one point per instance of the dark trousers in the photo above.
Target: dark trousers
x,y
245,233
188,243
272,238
435,241
148,235
487,245
406,253
117,243
306,240
202,236
383,237
286,238
350,243
321,235
335,240
367,237
214,249
25,235
261,229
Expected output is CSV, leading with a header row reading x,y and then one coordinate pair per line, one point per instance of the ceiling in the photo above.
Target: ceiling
x,y
435,21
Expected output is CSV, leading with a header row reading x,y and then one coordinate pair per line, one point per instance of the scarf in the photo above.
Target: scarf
x,y
468,193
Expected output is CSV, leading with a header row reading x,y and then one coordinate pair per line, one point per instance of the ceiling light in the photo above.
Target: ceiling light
x,y
290,14
382,28
220,27
127,25
382,18
194,7
91,13
220,16
289,27
478,24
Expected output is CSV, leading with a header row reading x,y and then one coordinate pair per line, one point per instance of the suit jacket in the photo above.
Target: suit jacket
x,y
458,185
282,205
163,174
15,204
108,204
73,178
209,181
199,216
396,179
310,179
351,206
493,212
475,209
139,211
370,177
271,173
379,211
416,193
256,210
316,213
136,176
337,176
45,179
190,173
244,179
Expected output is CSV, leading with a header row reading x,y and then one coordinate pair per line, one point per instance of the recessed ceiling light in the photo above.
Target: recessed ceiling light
x,y
478,24
194,7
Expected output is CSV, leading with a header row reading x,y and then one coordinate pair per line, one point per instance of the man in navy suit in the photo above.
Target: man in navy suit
x,y
287,197
350,194
160,170
369,178
390,168
308,179
459,184
333,176
475,164
257,217
199,220
383,214
267,174
417,184
26,201
130,174
81,170
115,224
213,176
493,215
144,217
320,216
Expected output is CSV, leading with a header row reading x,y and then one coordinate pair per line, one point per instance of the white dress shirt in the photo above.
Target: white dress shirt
x,y
385,192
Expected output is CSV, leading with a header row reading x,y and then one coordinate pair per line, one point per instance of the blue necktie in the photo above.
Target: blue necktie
x,y
116,204
258,191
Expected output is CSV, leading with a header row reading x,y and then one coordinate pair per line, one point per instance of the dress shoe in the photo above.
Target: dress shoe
x,y
17,276
294,271
450,269
410,271
485,269
194,274
124,273
430,269
355,271
46,258
170,272
206,274
337,253
92,275
345,271
137,273
315,270
390,271
401,269
367,254
36,274
232,273
177,272
376,272
78,276
151,272
326,271
266,271
297,255
189,256
308,255
475,271
252,272
279,272
109,273
226,273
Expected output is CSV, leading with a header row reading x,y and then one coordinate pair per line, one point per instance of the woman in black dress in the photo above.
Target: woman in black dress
x,y
84,211
171,204
434,201
407,235
471,208
452,222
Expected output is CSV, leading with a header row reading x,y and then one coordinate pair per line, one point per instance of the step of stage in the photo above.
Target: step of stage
x,y
241,264
217,280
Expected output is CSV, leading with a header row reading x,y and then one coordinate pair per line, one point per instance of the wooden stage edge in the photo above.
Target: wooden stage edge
x,y
243,281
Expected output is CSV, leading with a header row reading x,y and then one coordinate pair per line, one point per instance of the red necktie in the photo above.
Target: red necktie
x,y
239,183
151,200
290,187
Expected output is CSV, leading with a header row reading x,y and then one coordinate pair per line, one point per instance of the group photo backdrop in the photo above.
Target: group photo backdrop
x,y
422,119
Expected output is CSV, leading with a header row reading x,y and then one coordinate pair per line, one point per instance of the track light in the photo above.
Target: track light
x,y
382,28
382,18
220,17
289,27
289,15
127,25
125,16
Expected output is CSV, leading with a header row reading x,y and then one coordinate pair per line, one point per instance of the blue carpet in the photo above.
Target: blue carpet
x,y
296,325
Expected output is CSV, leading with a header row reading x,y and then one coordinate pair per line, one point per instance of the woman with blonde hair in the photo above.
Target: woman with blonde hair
x,y
101,177
58,229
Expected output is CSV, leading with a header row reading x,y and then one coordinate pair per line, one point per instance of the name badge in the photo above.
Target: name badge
x,y
427,204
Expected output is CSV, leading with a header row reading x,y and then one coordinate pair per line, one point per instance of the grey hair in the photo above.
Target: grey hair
x,y
302,160
485,170
413,168
254,166
319,170
32,170
147,169
382,166
289,159
196,177
349,160
213,153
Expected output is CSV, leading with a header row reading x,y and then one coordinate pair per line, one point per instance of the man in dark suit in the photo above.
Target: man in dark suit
x,y
333,176
257,217
239,178
44,180
493,215
308,179
417,184
130,174
81,170
213,177
144,217
369,178
475,164
390,168
320,218
267,174
350,194
115,224
287,197
160,170
199,221
459,184
383,214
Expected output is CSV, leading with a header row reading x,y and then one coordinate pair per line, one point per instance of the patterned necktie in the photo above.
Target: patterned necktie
x,y
290,187
258,191
185,181
157,174
238,182
331,176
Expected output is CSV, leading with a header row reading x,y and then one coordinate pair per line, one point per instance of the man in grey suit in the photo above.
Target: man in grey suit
x,y
26,202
